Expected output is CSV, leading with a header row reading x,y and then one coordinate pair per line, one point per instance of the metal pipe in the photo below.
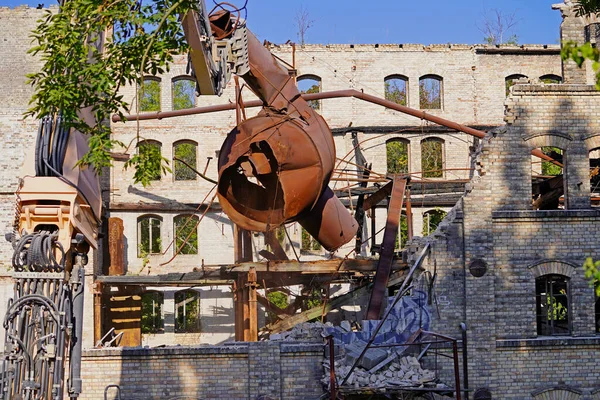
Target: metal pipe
x,y
456,373
75,384
334,94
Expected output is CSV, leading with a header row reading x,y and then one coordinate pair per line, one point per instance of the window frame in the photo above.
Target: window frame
x,y
194,95
316,78
175,163
512,77
408,157
554,77
156,143
540,313
141,93
400,78
427,214
150,251
198,322
189,218
161,319
440,81
442,142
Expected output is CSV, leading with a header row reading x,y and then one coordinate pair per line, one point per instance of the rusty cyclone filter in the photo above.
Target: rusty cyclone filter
x,y
274,169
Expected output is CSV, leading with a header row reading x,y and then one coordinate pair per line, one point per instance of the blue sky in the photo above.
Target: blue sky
x,y
391,21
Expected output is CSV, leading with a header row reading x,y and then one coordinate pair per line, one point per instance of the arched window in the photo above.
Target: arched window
x,y
396,89
432,158
595,177
186,234
547,183
149,241
430,92
310,84
185,152
431,220
149,94
552,305
187,311
150,152
184,93
510,80
396,151
152,317
550,78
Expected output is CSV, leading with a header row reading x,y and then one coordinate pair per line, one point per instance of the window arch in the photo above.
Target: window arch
x,y
550,78
186,234
396,151
432,158
152,149
152,316
510,80
187,311
557,393
431,220
552,294
149,94
310,84
396,89
184,92
185,152
430,92
547,180
149,241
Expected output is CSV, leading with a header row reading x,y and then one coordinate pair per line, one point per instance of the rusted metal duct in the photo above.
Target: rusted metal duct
x,y
275,168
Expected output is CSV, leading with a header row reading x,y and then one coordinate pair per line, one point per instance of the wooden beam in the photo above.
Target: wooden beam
x,y
252,307
315,267
271,240
379,195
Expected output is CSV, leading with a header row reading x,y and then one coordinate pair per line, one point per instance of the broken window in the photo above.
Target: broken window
x,y
397,156
310,84
552,305
149,241
430,92
396,89
184,93
547,183
150,152
431,220
186,234
309,243
432,158
510,81
595,177
402,236
152,317
149,95
550,78
187,311
184,152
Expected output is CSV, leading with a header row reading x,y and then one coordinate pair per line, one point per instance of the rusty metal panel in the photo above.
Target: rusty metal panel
x,y
116,246
386,256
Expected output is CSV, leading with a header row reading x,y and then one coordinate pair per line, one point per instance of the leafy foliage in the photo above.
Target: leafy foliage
x,y
585,7
186,234
187,153
431,220
145,36
571,51
396,157
278,299
591,269
547,167
402,236
310,85
149,163
309,242
395,90
184,94
149,95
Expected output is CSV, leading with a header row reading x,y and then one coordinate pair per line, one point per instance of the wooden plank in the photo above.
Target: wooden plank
x,y
271,240
379,195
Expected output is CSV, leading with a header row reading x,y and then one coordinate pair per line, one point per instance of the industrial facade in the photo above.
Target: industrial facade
x,y
494,257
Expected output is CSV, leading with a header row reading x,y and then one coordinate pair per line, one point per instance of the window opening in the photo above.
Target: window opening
x,y
310,84
187,312
431,220
151,154
511,80
550,78
186,225
184,94
152,318
552,305
547,183
309,243
432,158
396,89
149,241
595,177
187,152
149,95
397,156
430,92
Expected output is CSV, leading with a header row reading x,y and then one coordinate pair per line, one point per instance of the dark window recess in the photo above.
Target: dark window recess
x,y
187,312
552,305
148,236
152,320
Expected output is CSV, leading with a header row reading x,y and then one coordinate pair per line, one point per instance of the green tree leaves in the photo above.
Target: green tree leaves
x,y
90,50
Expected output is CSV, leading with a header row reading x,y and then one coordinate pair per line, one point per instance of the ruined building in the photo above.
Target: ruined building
x,y
500,263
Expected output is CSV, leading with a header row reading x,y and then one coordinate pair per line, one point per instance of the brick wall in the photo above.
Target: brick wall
x,y
236,371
